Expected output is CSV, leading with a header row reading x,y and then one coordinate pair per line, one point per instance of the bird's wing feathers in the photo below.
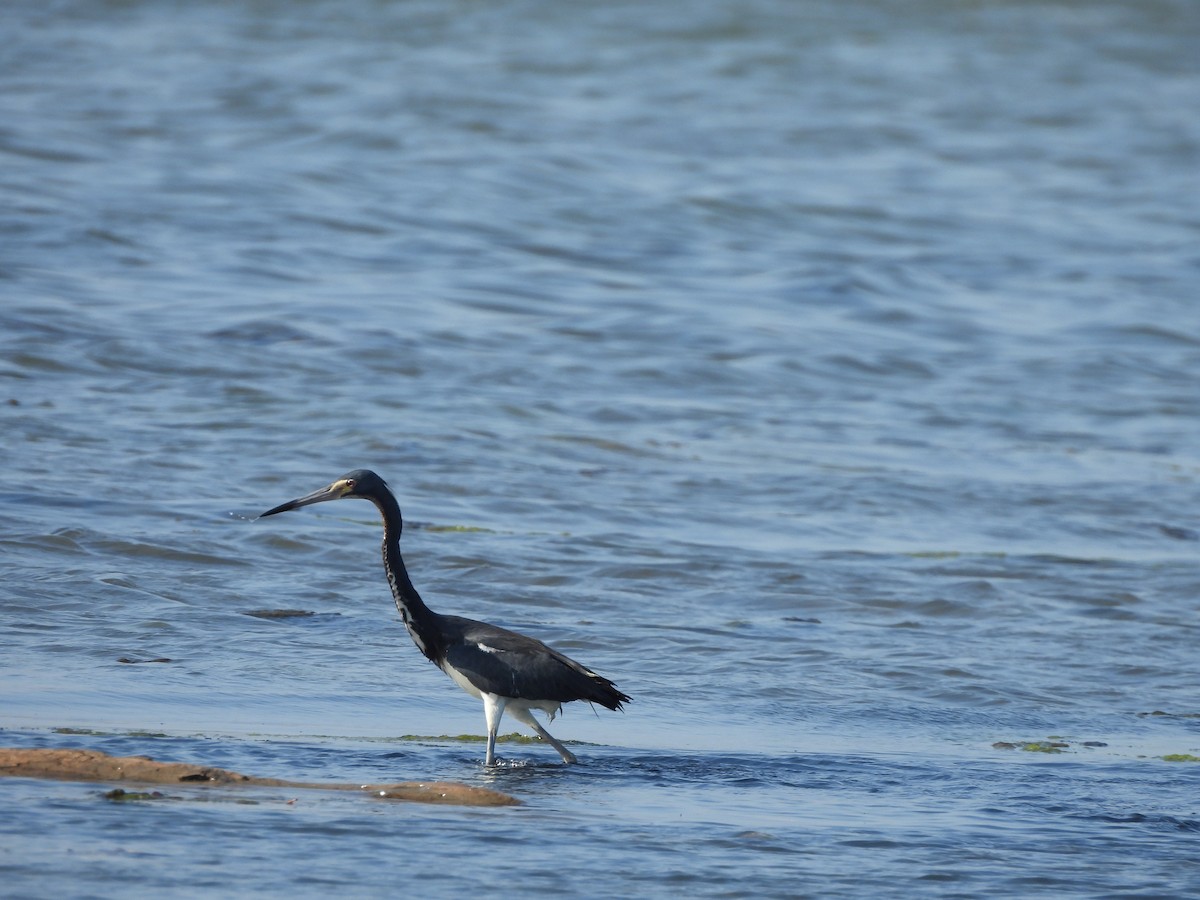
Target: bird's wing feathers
x,y
503,662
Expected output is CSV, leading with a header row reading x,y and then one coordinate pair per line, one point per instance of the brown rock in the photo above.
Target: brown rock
x,y
92,765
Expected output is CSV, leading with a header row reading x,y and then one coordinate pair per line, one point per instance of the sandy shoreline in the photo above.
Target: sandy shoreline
x,y
92,765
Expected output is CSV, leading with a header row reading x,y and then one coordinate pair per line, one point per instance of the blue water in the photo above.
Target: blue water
x,y
826,375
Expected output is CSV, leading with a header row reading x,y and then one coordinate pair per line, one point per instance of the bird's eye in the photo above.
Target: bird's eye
x,y
350,484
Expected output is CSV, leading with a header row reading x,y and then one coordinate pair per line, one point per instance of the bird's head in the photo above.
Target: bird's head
x,y
361,483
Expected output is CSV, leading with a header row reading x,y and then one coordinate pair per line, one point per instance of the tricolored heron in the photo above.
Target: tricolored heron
x,y
508,671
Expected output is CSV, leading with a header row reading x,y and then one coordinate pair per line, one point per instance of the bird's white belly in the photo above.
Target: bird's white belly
x,y
549,707
461,680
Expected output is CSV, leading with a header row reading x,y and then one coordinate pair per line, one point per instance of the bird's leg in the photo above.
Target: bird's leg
x,y
493,711
526,718
567,755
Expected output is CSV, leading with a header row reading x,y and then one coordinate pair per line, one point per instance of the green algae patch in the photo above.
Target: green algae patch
x,y
120,795
1181,757
513,738
92,732
1044,746
1051,745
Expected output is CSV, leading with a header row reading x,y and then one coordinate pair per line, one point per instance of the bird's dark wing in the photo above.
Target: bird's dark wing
x,y
503,662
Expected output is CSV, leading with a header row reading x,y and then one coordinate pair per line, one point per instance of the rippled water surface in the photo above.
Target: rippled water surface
x,y
826,374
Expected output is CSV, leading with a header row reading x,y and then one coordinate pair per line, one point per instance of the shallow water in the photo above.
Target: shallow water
x,y
826,375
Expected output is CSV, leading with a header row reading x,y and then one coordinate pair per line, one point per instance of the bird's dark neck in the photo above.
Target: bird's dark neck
x,y
418,618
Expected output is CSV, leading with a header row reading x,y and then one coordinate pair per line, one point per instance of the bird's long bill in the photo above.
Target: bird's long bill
x,y
335,491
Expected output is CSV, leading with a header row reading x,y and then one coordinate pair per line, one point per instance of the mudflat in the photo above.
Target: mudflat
x,y
91,765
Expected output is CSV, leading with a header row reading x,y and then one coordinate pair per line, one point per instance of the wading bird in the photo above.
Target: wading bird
x,y
504,669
